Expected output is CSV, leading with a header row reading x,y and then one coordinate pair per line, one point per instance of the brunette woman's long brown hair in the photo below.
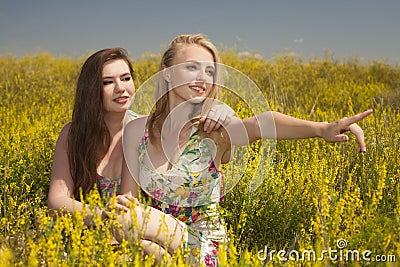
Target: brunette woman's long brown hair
x,y
89,138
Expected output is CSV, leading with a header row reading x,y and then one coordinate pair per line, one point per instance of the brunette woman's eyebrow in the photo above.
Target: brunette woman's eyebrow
x,y
111,77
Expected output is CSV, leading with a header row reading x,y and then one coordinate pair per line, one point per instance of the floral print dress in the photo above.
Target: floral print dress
x,y
189,191
109,186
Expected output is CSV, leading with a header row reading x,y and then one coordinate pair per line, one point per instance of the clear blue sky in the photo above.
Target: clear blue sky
x,y
368,29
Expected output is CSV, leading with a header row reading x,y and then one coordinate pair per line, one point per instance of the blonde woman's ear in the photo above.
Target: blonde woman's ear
x,y
166,73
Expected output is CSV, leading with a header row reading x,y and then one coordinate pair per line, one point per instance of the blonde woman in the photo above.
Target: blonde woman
x,y
176,163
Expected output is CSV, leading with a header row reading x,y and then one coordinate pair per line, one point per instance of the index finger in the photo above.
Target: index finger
x,y
210,125
358,117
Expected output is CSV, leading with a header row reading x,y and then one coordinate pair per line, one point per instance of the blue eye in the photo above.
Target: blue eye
x,y
191,67
210,72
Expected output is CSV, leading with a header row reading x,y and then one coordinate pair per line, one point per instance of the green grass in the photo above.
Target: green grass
x,y
315,194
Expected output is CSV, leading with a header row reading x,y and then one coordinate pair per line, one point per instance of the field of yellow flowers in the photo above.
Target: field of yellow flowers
x,y
320,204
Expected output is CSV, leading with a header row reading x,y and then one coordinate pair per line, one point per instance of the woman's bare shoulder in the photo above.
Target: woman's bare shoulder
x,y
135,129
63,135
138,122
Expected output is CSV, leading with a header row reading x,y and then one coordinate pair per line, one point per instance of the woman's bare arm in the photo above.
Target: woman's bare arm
x,y
273,124
61,184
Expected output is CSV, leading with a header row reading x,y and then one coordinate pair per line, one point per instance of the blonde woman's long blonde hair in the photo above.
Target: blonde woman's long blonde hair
x,y
161,108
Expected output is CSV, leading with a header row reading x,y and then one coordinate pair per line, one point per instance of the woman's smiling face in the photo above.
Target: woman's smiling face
x,y
118,86
192,75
